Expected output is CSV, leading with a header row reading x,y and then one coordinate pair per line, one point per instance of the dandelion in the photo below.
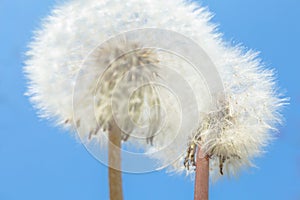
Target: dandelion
x,y
83,80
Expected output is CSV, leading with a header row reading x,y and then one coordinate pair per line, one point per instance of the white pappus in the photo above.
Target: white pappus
x,y
232,135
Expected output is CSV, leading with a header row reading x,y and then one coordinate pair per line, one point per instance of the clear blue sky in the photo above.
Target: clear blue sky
x,y
38,161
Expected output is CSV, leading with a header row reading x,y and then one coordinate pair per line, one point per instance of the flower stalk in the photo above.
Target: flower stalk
x,y
202,176
114,159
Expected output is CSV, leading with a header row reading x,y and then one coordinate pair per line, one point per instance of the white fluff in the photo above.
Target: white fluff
x,y
238,131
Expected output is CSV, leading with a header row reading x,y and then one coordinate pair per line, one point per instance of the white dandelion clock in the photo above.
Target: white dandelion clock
x,y
157,76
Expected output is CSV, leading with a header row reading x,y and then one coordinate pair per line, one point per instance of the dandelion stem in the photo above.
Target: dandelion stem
x,y
114,159
202,175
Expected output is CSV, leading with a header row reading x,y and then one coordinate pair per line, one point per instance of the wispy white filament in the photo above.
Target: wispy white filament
x,y
234,134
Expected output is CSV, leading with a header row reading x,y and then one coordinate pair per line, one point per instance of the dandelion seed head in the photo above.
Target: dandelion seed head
x,y
66,53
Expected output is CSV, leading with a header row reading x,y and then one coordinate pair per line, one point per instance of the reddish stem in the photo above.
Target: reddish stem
x,y
202,176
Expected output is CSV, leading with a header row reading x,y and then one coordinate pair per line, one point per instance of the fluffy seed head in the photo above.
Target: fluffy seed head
x,y
64,62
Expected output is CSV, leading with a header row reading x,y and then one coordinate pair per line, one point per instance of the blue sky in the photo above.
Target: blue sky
x,y
38,161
